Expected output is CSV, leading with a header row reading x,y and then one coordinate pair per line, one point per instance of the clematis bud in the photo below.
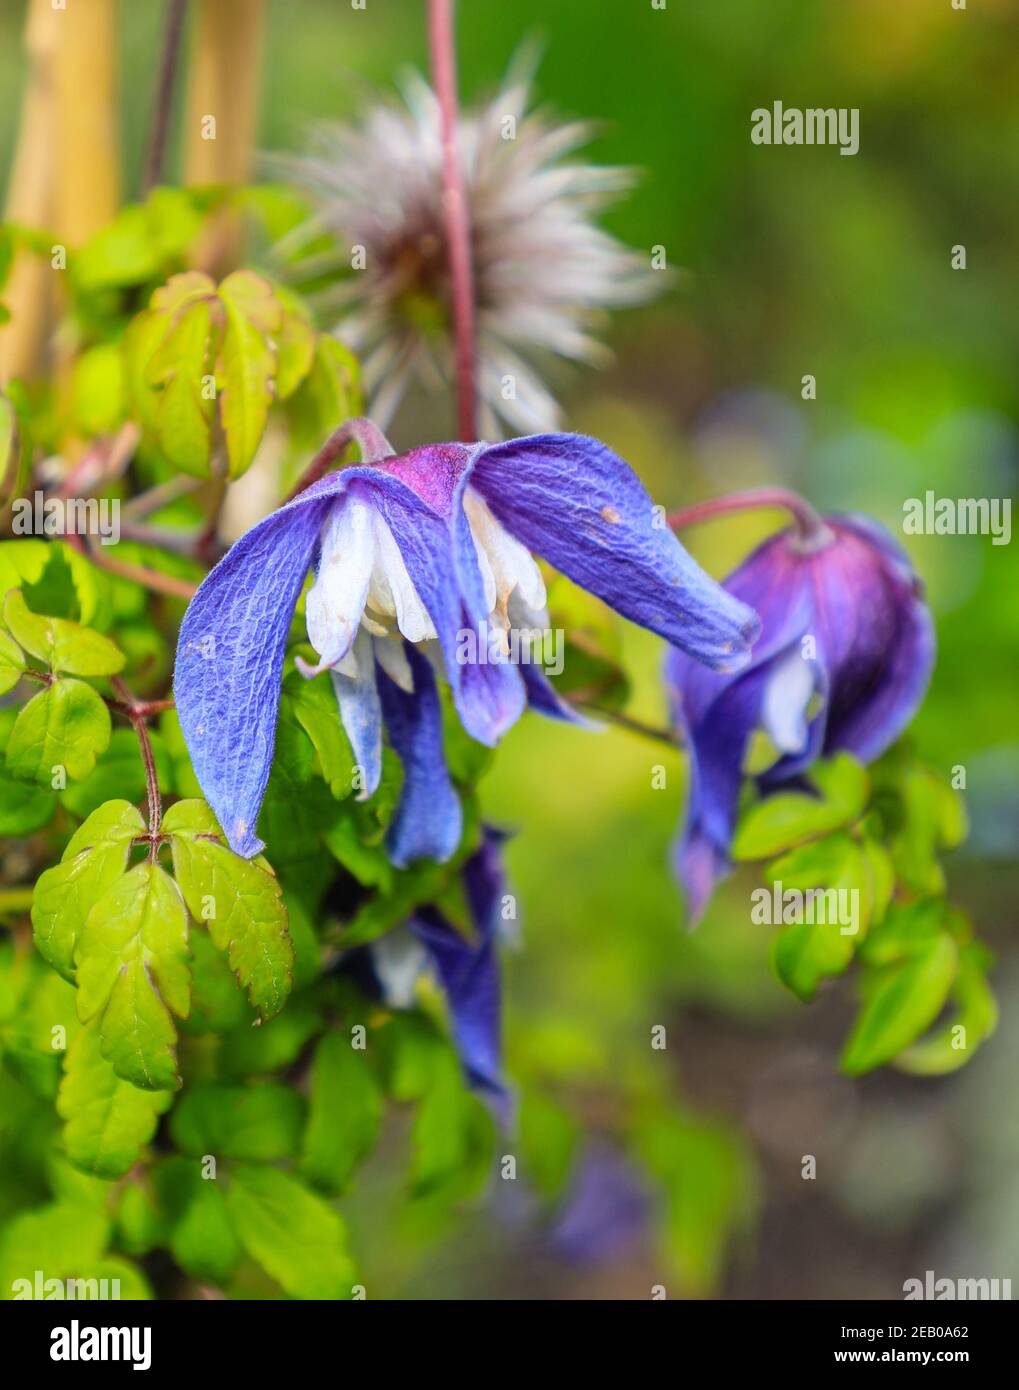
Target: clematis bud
x,y
842,663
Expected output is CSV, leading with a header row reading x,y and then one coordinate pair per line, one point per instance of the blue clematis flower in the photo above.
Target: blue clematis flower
x,y
467,971
843,661
410,553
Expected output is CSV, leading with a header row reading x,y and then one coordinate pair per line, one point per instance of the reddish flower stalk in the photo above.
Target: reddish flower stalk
x,y
454,200
811,526
372,443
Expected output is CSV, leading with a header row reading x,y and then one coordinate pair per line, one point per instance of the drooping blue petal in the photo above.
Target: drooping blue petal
x,y
469,971
233,638
489,696
577,504
429,819
543,697
230,662
361,712
717,744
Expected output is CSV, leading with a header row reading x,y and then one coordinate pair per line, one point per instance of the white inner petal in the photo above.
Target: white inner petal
x,y
786,697
392,593
398,959
336,600
392,658
512,565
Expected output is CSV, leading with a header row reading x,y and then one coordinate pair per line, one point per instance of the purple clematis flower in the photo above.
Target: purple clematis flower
x,y
467,971
844,657
409,554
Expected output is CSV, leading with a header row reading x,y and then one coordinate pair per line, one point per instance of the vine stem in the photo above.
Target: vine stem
x,y
454,202
168,64
811,526
137,712
369,438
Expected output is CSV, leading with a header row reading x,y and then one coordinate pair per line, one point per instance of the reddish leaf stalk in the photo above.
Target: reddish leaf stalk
x,y
137,712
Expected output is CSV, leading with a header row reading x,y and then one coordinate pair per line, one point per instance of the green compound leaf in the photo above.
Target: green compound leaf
x,y
64,726
247,365
913,960
202,1236
107,1121
789,818
23,808
822,893
346,1111
313,704
12,663
63,645
238,900
293,1234
185,412
95,857
258,1123
133,975
975,1020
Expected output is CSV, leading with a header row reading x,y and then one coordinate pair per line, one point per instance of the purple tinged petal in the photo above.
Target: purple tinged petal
x,y
543,697
577,504
361,712
469,971
230,662
234,634
429,819
717,743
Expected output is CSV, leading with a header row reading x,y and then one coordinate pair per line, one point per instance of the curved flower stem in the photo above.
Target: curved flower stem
x,y
168,63
454,200
369,438
811,526
137,712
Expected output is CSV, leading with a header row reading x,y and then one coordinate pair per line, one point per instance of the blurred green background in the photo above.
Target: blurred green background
x,y
791,261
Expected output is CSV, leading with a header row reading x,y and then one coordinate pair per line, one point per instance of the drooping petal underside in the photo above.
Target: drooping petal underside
x,y
469,971
577,504
233,639
429,819
361,710
230,662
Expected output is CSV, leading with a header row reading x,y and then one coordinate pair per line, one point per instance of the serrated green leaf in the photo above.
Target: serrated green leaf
x,y
238,900
345,1113
96,856
247,366
293,1234
831,893
107,1120
262,1050
202,1237
975,1020
785,819
258,1123
64,1239
710,1187
313,704
132,961
183,416
295,353
24,807
63,645
66,725
900,1001
12,663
